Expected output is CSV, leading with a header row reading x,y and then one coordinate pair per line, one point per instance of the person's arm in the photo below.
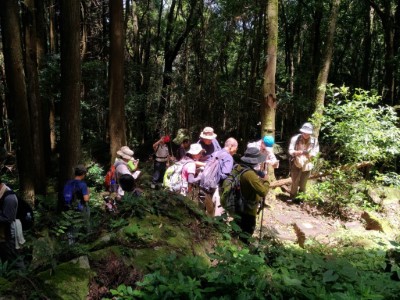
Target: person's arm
x,y
85,192
226,167
259,185
157,144
192,179
315,149
292,145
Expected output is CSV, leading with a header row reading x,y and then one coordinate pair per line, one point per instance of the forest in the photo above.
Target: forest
x,y
81,79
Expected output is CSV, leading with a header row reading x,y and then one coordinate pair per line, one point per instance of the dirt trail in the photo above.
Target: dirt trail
x,y
298,222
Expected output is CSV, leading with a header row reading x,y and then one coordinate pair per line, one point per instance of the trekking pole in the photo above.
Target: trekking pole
x,y
262,216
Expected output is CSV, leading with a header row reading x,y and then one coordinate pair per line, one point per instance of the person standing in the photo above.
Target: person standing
x,y
302,148
183,148
253,189
161,160
125,164
265,145
189,169
8,231
209,143
224,157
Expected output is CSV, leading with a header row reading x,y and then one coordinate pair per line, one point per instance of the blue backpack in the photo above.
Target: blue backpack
x,y
71,195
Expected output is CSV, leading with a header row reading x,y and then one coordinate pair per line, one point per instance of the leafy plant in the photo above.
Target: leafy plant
x,y
360,128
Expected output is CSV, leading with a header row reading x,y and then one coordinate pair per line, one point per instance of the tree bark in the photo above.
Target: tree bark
x,y
70,122
116,79
324,71
35,105
268,104
15,77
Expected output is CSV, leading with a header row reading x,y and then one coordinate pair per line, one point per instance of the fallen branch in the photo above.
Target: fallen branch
x,y
287,181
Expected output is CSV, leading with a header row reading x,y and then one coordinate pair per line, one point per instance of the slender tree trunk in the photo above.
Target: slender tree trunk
x,y
116,79
365,71
41,41
52,27
15,76
70,121
35,105
324,71
268,104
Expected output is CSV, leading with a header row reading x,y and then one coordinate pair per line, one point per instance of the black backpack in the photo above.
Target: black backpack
x,y
231,197
24,211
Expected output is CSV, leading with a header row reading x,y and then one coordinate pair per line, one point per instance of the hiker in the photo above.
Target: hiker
x,y
10,228
181,151
225,164
253,189
189,168
303,147
265,145
209,143
161,160
125,164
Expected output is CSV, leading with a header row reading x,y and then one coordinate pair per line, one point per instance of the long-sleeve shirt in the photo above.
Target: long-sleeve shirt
x,y
8,214
209,149
311,145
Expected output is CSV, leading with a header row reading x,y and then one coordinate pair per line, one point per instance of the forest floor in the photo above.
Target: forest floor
x,y
297,223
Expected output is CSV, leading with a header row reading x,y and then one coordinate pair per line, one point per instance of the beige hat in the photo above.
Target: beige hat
x,y
195,149
208,133
125,152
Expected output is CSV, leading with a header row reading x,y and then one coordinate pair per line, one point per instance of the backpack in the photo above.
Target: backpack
x,y
24,211
71,196
173,177
231,198
110,179
211,174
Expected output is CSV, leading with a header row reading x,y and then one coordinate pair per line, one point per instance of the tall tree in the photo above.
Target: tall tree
x,y
70,128
387,12
35,105
116,79
268,104
15,76
324,71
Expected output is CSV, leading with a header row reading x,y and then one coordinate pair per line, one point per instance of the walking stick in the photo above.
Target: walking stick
x,y
262,216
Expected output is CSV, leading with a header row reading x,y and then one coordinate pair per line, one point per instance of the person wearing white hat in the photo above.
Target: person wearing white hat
x,y
303,147
189,168
125,164
209,143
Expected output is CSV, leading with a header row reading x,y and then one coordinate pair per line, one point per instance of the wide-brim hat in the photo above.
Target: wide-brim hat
x,y
307,128
195,149
208,133
125,152
253,156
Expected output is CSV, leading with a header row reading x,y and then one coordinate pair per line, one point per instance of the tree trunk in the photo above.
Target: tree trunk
x,y
70,122
324,71
268,104
15,76
52,27
369,21
116,79
35,105
41,41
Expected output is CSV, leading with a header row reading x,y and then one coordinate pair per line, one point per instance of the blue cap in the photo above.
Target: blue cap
x,y
268,141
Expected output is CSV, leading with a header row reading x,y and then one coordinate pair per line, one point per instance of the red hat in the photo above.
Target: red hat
x,y
166,139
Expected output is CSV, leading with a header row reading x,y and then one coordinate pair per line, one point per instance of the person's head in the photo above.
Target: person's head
x,y
306,130
231,145
207,135
195,151
80,170
253,157
268,141
166,139
125,153
126,182
185,143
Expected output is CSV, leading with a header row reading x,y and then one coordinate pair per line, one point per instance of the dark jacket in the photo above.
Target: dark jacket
x,y
253,190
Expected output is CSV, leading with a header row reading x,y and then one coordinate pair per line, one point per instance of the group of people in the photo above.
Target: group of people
x,y
258,157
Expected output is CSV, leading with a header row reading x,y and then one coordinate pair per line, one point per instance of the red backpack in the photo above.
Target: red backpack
x,y
110,180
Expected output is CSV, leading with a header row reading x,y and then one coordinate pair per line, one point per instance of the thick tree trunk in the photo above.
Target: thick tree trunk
x,y
70,121
35,105
15,76
41,32
116,79
324,71
268,104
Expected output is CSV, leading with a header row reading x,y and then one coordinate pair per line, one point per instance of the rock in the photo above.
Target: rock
x,y
372,223
375,197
